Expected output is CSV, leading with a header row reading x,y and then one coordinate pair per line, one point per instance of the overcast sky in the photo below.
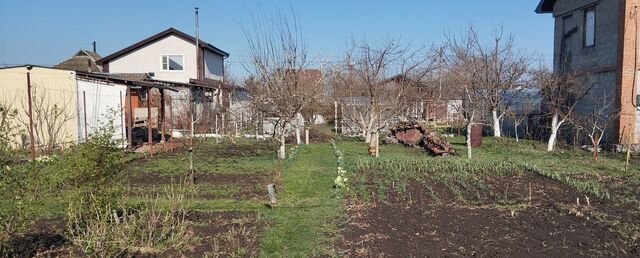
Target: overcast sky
x,y
47,32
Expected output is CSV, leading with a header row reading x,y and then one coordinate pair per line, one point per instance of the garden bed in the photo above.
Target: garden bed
x,y
454,208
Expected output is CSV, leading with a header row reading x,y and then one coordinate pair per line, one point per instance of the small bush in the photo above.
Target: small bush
x,y
147,228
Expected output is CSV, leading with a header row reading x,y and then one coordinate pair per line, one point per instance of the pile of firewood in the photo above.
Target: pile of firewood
x,y
420,136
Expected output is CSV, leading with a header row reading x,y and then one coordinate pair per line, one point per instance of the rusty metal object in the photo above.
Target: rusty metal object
x,y
476,135
421,136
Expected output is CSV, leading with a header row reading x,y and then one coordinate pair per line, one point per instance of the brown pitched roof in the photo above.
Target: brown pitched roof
x,y
83,60
545,6
159,36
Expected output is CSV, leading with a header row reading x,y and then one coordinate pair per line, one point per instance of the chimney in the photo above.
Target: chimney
x,y
94,47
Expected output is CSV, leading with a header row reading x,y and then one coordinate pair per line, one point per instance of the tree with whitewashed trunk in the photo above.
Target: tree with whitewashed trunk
x,y
596,123
498,68
561,93
463,67
363,84
278,65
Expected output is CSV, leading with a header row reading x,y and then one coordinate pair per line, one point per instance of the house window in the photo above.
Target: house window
x,y
590,27
172,63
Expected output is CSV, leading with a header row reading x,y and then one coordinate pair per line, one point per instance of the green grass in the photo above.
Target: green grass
x,y
308,211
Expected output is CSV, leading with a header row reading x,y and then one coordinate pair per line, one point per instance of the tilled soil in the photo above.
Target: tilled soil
x,y
551,225
252,186
222,234
216,234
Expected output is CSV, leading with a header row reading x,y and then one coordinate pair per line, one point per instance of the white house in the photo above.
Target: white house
x,y
170,55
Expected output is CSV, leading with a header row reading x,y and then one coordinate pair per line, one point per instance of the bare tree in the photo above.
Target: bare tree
x,y
561,93
49,118
598,121
362,82
499,68
464,65
278,63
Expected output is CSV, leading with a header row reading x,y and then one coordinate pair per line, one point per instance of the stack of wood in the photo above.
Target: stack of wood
x,y
420,136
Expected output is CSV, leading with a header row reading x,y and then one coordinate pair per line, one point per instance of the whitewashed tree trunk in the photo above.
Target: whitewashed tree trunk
x,y
306,136
469,126
282,152
515,128
496,123
377,144
555,127
367,136
298,140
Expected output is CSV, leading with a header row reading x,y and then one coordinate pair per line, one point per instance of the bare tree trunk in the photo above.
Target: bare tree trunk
x,y
496,123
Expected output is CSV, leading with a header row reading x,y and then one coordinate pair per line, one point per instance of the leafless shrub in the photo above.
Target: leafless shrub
x,y
50,118
147,229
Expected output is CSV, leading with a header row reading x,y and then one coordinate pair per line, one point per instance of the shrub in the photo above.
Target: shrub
x,y
109,231
19,184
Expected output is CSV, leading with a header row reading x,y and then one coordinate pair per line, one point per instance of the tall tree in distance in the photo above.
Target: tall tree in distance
x,y
377,84
279,59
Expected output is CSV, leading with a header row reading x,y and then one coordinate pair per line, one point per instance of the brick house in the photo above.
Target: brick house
x,y
600,36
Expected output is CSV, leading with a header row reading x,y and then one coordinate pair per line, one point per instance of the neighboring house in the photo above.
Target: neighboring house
x,y
600,36
170,57
83,61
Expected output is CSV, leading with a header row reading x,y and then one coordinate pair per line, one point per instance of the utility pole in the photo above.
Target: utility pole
x,y
33,143
193,110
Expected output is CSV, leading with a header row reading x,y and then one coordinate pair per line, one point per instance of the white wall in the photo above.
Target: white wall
x,y
102,100
149,59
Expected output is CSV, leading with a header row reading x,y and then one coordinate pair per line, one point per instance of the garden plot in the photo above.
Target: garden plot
x,y
235,171
223,209
436,207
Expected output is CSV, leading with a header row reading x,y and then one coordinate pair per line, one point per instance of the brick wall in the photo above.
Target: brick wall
x,y
628,127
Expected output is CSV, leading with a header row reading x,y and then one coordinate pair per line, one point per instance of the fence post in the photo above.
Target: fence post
x,y
84,104
31,136
122,120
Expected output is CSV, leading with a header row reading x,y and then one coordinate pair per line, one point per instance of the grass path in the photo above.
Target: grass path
x,y
305,220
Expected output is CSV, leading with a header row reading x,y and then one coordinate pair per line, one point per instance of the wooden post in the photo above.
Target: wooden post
x,y
171,121
130,124
31,136
161,128
122,120
149,125
84,104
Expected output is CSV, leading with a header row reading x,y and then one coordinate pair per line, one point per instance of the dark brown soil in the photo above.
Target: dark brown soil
x,y
551,225
215,234
45,239
222,234
252,186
